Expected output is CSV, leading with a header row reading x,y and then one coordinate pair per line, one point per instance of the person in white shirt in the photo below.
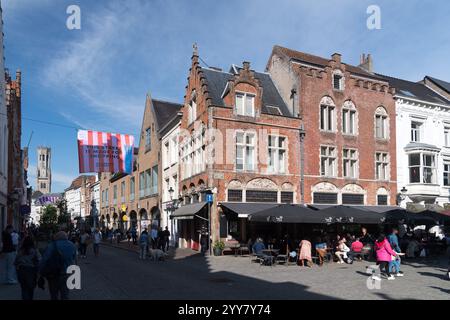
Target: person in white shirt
x,y
15,239
342,250
97,240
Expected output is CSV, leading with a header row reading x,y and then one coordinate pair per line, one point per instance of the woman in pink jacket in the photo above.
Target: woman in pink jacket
x,y
384,255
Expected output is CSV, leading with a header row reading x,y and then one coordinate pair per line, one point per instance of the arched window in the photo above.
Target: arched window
x,y
381,123
349,118
327,114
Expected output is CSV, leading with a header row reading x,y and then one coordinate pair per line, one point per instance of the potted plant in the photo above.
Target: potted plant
x,y
218,248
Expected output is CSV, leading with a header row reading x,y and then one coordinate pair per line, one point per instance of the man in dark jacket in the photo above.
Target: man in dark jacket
x,y
10,255
57,283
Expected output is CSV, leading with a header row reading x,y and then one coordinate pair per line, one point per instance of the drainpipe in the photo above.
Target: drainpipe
x,y
302,164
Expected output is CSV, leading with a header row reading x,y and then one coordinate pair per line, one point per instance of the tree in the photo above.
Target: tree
x,y
63,216
49,219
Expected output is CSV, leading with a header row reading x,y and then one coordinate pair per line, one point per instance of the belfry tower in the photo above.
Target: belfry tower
x,y
44,171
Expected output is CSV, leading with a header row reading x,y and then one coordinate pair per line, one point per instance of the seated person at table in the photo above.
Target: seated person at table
x,y
356,248
413,248
321,249
258,246
341,251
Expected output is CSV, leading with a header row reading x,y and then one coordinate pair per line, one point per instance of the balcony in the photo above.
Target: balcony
x,y
423,192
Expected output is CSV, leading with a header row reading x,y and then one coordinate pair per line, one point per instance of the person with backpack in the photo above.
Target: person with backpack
x,y
27,263
59,255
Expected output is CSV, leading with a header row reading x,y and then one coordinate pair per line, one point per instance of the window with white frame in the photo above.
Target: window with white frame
x,y
192,109
122,191
422,168
245,151
141,184
338,80
381,166
166,151
328,161
327,116
148,139
350,163
245,104
193,155
132,188
349,118
115,194
416,128
381,123
277,154
173,150
447,136
447,173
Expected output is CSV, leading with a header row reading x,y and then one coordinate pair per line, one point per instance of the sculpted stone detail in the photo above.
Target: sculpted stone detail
x,y
382,191
352,188
328,101
235,184
262,183
325,187
287,186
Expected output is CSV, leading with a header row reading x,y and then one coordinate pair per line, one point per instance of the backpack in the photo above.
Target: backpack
x,y
54,266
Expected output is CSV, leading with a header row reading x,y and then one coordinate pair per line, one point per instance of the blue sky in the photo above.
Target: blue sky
x,y
98,77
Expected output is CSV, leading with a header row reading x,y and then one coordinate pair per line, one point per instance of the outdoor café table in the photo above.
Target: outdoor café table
x,y
271,252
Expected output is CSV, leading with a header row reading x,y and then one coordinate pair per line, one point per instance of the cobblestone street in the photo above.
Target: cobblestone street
x,y
119,274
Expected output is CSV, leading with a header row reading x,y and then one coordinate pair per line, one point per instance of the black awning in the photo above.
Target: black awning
x,y
349,214
288,213
244,209
188,211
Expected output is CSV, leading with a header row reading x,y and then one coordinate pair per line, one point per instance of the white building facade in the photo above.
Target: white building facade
x,y
3,135
73,198
423,146
170,174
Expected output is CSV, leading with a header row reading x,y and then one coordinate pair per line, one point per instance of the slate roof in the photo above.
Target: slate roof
x,y
322,62
415,90
165,111
440,83
217,82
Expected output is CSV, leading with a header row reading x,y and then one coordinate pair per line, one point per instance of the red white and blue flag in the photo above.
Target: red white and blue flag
x,y
105,152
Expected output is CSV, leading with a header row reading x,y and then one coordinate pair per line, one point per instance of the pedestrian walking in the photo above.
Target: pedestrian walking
x,y
166,235
160,238
59,255
395,264
84,237
384,255
154,237
15,239
143,244
97,240
27,264
10,256
134,235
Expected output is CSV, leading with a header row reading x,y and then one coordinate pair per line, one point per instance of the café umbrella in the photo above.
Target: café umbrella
x,y
287,213
349,214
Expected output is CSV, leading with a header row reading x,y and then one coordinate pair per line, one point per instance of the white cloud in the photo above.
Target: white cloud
x,y
88,68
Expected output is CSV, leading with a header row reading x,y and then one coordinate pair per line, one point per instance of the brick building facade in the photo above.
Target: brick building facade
x,y
348,114
238,142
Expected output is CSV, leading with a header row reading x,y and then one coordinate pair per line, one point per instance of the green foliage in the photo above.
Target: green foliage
x,y
49,219
219,245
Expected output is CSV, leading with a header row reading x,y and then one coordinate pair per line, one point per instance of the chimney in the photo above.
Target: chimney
x,y
336,57
366,63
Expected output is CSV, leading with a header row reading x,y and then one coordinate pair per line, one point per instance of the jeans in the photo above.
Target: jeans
x,y
96,248
143,251
385,265
58,287
395,263
83,247
10,269
28,279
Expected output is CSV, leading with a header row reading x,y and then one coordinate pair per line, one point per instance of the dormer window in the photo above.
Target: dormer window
x,y
245,104
338,80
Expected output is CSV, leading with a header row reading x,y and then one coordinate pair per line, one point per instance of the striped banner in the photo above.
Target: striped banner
x,y
105,152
